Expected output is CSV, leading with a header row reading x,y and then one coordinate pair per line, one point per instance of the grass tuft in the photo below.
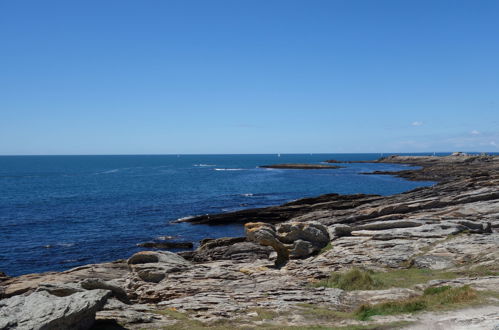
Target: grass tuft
x,y
354,279
433,298
360,279
480,271
328,247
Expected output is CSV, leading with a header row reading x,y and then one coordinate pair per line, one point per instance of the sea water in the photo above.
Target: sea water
x,y
58,212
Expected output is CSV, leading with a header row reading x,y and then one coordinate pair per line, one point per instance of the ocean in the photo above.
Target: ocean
x,y
59,212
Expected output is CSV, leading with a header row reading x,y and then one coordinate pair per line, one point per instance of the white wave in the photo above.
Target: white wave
x,y
229,169
108,172
184,218
168,237
204,165
247,195
66,244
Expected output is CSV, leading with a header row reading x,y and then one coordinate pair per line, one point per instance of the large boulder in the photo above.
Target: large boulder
x,y
307,237
152,266
289,239
265,234
43,311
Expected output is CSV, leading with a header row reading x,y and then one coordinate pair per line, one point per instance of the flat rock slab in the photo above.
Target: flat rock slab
x,y
43,311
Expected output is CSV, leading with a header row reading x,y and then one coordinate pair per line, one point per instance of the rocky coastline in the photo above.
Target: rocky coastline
x,y
271,278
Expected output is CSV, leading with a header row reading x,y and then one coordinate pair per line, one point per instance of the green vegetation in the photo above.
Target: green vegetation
x,y
319,313
263,314
480,271
328,247
433,298
354,279
360,279
387,326
309,311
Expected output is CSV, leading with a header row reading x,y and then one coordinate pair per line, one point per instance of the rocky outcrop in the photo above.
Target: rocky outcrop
x,y
236,248
265,234
291,239
306,238
41,310
278,214
152,266
67,280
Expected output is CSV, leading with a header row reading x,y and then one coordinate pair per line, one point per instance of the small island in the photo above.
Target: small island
x,y
302,166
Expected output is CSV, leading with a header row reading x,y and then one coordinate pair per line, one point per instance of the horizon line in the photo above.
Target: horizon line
x,y
274,153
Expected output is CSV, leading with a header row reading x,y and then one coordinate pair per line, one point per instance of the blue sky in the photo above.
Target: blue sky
x,y
248,76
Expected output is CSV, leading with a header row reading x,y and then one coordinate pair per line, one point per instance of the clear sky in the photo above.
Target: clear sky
x,y
248,76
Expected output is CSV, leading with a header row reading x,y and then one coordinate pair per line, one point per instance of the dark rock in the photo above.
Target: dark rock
x,y
3,277
277,214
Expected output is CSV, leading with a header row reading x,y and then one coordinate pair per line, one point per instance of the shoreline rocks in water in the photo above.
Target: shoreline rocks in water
x,y
451,226
301,166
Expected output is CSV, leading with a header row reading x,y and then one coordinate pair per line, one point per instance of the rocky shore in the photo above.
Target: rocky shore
x,y
276,276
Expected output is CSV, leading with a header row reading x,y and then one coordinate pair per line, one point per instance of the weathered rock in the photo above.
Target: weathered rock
x,y
302,249
341,230
165,257
432,262
60,289
117,270
97,283
307,238
116,313
152,266
41,310
312,232
227,248
265,234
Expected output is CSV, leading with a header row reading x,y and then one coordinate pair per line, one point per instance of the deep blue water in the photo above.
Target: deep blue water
x,y
58,212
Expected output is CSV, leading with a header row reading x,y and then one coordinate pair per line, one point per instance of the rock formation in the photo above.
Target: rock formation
x,y
265,234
